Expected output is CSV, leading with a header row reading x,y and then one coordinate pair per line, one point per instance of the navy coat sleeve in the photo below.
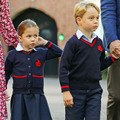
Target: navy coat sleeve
x,y
8,66
53,51
109,17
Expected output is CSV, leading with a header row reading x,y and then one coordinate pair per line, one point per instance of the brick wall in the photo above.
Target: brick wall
x,y
60,10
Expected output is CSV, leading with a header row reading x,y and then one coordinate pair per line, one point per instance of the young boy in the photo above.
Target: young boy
x,y
82,60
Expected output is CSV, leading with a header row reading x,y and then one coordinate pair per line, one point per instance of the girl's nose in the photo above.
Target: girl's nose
x,y
32,39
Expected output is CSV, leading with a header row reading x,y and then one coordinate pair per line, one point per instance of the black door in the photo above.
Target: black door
x,y
48,30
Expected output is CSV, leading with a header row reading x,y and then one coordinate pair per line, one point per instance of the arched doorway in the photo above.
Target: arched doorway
x,y
48,30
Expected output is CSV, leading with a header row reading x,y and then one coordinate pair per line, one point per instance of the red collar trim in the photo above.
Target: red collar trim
x,y
26,52
91,44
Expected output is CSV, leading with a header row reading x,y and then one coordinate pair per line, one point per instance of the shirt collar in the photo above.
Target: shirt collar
x,y
19,48
80,35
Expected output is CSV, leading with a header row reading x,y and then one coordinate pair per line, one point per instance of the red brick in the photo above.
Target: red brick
x,y
60,10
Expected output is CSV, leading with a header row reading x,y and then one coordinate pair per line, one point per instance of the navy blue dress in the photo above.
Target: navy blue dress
x,y
29,107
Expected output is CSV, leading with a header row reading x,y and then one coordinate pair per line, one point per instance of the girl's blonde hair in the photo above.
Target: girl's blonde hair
x,y
81,8
28,23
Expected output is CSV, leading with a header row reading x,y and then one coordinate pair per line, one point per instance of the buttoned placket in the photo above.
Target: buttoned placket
x,y
29,80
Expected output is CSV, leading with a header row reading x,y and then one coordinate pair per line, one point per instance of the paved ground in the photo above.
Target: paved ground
x,y
55,101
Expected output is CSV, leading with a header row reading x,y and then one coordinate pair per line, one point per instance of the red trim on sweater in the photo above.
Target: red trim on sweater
x,y
26,52
19,76
49,45
29,52
112,58
67,86
23,51
91,44
37,76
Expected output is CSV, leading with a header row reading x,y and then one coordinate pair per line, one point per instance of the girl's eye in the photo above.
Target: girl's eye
x,y
35,35
29,36
91,18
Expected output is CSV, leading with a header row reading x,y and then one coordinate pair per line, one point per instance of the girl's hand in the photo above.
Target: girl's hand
x,y
41,41
7,96
67,98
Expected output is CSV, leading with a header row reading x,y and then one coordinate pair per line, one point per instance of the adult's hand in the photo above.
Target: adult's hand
x,y
115,48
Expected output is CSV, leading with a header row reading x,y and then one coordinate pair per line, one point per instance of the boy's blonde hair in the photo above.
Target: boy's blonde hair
x,y
81,8
28,23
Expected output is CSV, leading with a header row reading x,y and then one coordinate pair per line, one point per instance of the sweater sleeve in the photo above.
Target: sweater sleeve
x,y
53,51
9,65
106,61
65,64
109,20
7,29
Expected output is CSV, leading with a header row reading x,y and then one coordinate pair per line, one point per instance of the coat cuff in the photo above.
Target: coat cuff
x,y
113,59
65,88
49,44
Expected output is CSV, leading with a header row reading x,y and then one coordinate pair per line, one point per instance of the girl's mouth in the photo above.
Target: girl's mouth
x,y
33,44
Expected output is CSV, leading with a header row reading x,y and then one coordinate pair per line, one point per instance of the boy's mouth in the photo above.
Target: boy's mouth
x,y
95,26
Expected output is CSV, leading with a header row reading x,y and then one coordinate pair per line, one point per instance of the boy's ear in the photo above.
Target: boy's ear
x,y
78,19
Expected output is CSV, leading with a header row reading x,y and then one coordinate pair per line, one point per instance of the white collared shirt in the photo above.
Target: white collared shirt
x,y
19,48
81,35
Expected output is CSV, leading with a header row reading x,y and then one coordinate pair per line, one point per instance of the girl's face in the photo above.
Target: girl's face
x,y
90,20
29,38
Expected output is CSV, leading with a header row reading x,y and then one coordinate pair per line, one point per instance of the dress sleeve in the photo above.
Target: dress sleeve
x,y
7,29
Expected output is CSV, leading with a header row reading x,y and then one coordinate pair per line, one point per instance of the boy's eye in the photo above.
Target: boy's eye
x,y
91,18
98,18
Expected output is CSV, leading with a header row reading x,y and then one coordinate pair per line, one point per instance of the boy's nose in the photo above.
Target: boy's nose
x,y
96,20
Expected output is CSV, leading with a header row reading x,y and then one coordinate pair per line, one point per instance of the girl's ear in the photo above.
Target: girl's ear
x,y
20,38
78,19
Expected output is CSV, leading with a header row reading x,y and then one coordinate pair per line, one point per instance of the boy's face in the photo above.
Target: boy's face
x,y
29,38
90,20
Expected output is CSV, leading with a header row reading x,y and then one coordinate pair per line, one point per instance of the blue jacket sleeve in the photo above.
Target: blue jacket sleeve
x,y
109,17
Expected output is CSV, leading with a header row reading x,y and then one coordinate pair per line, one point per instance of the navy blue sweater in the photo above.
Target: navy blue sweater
x,y
27,69
81,64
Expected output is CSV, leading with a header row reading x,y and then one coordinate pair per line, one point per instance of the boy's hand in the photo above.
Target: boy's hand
x,y
7,96
41,41
67,98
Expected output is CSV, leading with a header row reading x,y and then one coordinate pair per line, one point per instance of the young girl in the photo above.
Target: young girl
x,y
10,37
26,65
